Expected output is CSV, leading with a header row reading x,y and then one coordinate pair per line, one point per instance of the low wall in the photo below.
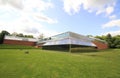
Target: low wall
x,y
100,45
18,42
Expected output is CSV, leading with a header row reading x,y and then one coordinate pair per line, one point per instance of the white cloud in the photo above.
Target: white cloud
x,y
48,33
112,17
15,3
109,10
28,4
72,6
31,30
26,26
20,25
41,17
113,33
25,16
37,5
98,6
112,23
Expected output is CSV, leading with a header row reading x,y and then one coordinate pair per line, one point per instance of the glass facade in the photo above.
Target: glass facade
x,y
58,42
69,38
60,36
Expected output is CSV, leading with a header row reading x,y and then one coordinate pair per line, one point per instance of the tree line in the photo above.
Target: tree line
x,y
4,32
2,35
112,41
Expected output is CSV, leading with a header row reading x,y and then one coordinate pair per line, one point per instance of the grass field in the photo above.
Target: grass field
x,y
14,63
6,46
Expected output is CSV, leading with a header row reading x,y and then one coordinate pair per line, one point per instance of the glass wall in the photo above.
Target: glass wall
x,y
60,36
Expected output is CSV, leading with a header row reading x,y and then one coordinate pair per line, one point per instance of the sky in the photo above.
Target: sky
x,y
50,17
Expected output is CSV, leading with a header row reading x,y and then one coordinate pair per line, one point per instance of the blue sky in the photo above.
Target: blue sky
x,y
50,17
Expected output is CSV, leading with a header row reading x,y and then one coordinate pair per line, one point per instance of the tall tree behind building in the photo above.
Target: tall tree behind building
x,y
41,36
2,35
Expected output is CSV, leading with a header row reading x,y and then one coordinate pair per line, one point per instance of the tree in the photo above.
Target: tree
x,y
113,42
41,36
110,40
28,36
117,41
14,34
101,37
20,35
2,35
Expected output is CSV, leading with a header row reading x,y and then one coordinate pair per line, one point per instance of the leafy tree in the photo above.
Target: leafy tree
x,y
113,42
41,36
101,37
117,41
109,40
14,34
20,35
28,36
2,35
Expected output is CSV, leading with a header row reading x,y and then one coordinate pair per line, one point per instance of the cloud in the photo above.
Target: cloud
x,y
26,26
72,6
28,4
31,8
15,3
98,6
31,30
109,10
37,5
25,16
48,33
112,17
20,25
44,18
112,23
113,33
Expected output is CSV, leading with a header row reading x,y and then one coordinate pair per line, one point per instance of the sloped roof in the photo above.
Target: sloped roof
x,y
20,38
69,38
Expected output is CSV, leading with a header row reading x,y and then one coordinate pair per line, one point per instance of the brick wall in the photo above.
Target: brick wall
x,y
100,45
18,42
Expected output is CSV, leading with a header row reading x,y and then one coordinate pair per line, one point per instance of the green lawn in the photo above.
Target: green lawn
x,y
8,46
14,63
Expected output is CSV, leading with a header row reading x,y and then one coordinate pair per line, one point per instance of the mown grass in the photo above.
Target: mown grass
x,y
7,46
14,63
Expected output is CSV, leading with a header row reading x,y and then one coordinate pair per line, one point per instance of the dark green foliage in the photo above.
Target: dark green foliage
x,y
2,35
26,36
112,41
101,37
20,35
1,39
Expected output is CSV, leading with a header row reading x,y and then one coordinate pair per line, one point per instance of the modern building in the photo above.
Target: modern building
x,y
14,40
69,40
63,41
